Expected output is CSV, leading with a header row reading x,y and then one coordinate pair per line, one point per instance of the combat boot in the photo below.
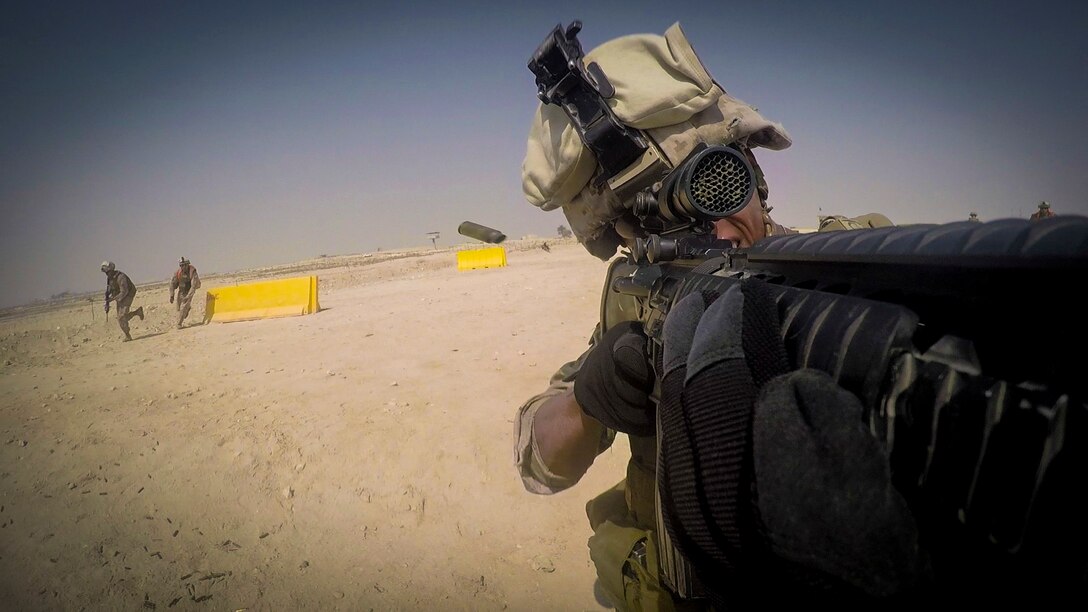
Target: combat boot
x,y
140,312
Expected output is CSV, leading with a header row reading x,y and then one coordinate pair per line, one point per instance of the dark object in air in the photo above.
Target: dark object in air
x,y
481,232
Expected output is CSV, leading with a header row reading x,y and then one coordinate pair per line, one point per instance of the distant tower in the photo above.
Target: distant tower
x,y
434,239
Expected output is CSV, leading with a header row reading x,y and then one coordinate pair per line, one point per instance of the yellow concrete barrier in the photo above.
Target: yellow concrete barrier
x,y
262,300
494,257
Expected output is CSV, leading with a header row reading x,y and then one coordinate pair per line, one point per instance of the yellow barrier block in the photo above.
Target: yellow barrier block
x,y
262,300
494,257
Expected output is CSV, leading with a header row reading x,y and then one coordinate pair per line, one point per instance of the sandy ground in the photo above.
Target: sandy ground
x,y
357,458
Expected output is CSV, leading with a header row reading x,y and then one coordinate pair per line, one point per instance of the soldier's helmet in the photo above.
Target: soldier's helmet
x,y
661,103
1044,206
107,266
974,215
183,261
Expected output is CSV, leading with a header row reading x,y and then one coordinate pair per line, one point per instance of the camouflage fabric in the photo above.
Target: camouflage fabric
x,y
833,223
623,517
663,89
185,281
631,581
535,475
123,292
124,314
120,286
183,305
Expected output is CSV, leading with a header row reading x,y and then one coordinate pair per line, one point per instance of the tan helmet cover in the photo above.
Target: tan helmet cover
x,y
663,89
839,222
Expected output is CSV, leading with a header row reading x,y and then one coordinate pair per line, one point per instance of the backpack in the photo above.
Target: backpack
x,y
832,223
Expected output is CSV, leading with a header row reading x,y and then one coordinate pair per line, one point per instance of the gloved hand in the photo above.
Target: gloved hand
x,y
615,381
171,298
780,463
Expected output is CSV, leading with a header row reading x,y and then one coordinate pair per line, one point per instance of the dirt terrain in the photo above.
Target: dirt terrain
x,y
358,458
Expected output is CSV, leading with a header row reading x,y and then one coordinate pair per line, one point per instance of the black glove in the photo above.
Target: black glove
x,y
770,481
615,381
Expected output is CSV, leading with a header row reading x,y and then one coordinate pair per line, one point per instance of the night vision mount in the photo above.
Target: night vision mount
x,y
563,79
677,206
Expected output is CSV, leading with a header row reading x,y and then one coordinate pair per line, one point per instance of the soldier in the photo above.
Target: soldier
x,y
973,217
560,432
185,281
122,291
1043,212
832,223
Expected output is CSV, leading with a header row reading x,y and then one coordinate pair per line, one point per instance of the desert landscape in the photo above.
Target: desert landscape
x,y
358,458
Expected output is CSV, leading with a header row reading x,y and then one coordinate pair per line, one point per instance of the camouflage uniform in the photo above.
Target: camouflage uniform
x,y
185,281
832,223
122,291
663,90
1043,212
624,516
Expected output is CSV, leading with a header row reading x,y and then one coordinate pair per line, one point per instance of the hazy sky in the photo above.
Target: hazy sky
x,y
254,133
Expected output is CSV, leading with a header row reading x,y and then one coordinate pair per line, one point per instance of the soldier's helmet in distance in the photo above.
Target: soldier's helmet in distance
x,y
107,266
1044,205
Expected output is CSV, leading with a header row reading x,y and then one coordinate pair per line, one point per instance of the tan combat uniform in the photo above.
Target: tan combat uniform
x,y
625,516
663,90
122,292
622,518
185,281
1040,214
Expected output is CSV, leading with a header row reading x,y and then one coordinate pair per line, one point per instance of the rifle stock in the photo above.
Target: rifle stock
x,y
934,328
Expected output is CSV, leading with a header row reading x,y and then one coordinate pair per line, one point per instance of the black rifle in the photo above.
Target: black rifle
x,y
962,341
965,344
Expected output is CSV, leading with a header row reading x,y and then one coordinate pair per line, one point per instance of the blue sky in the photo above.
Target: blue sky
x,y
255,133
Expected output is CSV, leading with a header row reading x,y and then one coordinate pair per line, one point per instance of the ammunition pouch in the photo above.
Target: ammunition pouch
x,y
627,566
